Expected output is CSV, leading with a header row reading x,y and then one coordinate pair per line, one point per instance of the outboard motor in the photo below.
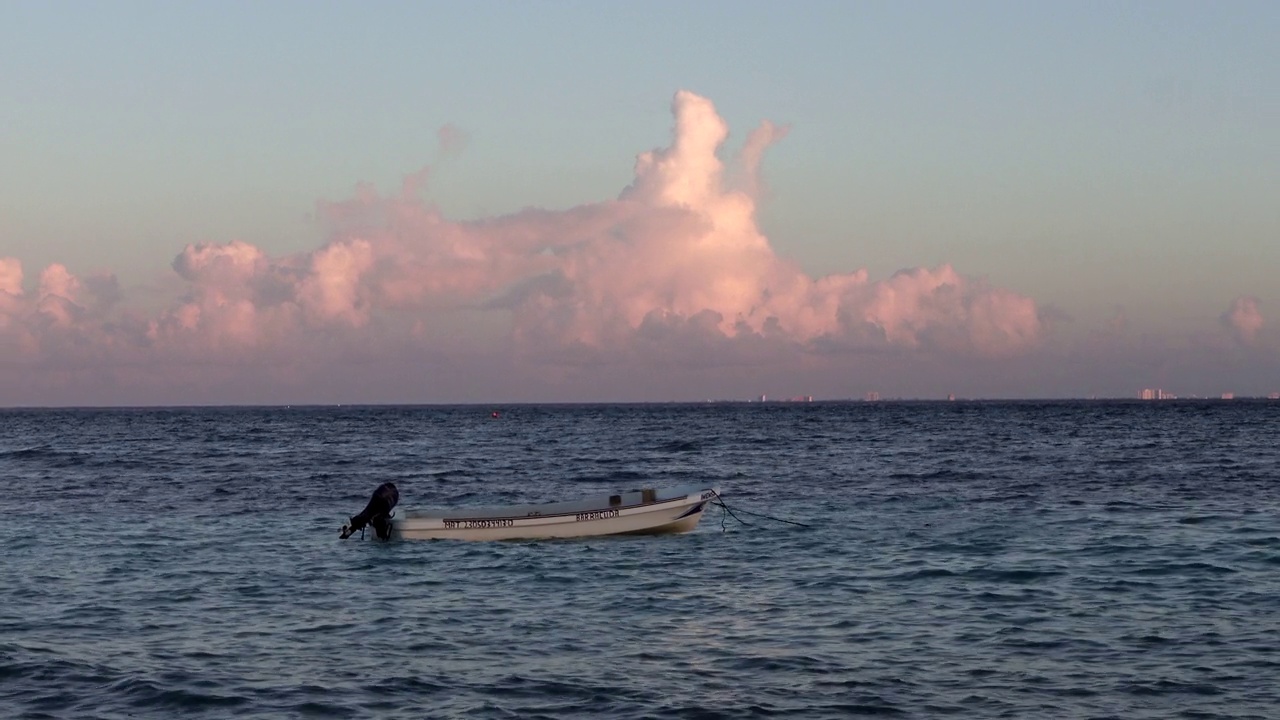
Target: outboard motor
x,y
377,513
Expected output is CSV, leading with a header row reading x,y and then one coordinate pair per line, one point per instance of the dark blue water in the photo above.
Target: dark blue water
x,y
1055,560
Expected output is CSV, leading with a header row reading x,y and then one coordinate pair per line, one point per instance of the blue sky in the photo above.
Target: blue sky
x,y
1104,159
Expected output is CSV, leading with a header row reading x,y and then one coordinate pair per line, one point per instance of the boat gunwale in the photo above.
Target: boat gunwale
x,y
572,513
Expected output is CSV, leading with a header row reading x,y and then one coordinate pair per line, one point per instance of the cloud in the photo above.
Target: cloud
x,y
678,242
11,304
1243,319
752,154
453,140
675,269
59,290
11,276
229,265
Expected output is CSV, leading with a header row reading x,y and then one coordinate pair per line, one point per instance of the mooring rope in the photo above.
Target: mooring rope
x,y
720,501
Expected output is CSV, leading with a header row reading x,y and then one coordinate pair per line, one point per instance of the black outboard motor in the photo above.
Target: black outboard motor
x,y
377,513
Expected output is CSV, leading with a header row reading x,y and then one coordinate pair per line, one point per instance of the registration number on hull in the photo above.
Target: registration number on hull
x,y
477,524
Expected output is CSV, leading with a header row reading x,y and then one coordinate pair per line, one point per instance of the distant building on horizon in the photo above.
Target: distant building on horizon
x,y
1157,394
872,396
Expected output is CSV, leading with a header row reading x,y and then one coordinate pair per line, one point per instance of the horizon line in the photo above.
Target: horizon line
x,y
602,403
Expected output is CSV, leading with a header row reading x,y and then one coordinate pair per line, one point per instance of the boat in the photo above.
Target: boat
x,y
648,511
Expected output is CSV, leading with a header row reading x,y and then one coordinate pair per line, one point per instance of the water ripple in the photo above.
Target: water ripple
x,y
965,559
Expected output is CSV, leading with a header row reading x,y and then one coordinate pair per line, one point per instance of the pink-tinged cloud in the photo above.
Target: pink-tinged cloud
x,y
674,269
680,244
10,290
332,290
453,139
59,290
752,154
11,303
1243,319
11,276
230,265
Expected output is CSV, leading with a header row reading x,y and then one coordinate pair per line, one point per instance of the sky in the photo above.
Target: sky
x,y
500,202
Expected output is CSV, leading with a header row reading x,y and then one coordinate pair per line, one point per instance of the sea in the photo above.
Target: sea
x,y
1065,559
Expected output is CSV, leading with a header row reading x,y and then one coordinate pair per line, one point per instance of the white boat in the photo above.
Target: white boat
x,y
639,512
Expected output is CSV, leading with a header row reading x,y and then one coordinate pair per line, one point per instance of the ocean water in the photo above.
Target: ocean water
x,y
1012,560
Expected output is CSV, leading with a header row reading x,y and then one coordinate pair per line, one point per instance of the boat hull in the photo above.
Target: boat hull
x,y
645,512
